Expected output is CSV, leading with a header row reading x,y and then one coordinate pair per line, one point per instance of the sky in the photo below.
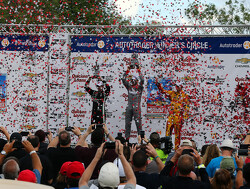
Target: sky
x,y
165,12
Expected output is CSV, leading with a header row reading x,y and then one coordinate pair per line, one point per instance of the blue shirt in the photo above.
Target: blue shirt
x,y
215,164
38,176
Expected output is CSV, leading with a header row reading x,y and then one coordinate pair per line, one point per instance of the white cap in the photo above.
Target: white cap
x,y
109,176
186,143
227,143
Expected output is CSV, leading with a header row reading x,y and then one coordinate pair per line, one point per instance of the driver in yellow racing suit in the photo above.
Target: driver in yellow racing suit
x,y
178,110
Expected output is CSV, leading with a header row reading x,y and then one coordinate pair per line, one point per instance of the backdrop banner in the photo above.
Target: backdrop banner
x,y
24,61
213,72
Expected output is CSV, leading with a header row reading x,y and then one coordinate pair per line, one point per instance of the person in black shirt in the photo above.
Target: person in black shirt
x,y
59,151
185,166
98,97
26,163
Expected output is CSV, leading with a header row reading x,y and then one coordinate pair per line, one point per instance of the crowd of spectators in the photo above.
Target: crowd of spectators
x,y
108,162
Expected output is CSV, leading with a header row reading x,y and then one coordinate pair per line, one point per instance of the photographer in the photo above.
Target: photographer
x,y
140,162
86,152
185,164
109,173
156,141
60,151
19,151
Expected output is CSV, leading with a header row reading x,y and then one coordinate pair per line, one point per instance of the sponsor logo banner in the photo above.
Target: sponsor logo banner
x,y
205,45
24,43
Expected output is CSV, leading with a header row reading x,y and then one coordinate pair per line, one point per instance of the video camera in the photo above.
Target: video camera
x,y
166,144
243,150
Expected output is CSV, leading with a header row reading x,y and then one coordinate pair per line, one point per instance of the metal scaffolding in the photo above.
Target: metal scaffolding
x,y
168,30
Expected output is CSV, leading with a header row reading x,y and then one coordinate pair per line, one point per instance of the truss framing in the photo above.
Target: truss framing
x,y
168,30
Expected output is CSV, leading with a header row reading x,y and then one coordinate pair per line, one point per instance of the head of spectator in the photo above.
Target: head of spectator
x,y
187,144
203,149
74,172
222,180
139,160
63,172
155,139
34,140
211,153
10,168
246,173
228,164
119,137
109,176
64,139
126,152
41,135
194,144
97,137
227,147
62,175
27,176
185,165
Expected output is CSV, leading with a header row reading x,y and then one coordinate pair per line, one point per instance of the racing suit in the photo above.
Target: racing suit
x,y
178,109
98,109
133,108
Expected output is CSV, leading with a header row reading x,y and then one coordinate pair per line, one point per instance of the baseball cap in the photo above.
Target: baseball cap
x,y
228,164
109,176
99,83
186,143
64,168
75,170
227,143
16,136
27,175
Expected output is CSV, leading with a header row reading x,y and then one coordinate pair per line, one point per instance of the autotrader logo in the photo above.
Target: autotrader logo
x,y
246,45
101,44
5,42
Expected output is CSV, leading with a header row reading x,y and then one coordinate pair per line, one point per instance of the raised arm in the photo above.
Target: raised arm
x,y
140,76
55,140
36,163
124,78
82,141
88,81
152,153
8,147
111,138
239,177
89,171
5,132
127,168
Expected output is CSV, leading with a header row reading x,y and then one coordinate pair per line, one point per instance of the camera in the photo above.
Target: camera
x,y
24,133
69,128
97,126
46,133
109,145
142,134
18,145
166,144
187,151
243,150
